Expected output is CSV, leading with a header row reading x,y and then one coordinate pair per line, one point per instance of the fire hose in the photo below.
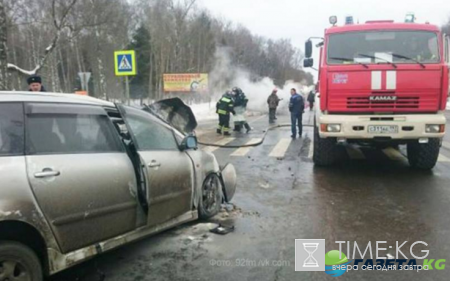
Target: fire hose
x,y
258,143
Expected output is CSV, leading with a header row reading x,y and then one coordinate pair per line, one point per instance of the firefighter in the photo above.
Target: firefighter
x,y
224,107
240,105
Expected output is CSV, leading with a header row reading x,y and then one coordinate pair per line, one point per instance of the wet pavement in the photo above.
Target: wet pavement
x,y
370,195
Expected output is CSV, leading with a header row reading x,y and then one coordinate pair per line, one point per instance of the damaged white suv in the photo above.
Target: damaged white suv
x,y
81,176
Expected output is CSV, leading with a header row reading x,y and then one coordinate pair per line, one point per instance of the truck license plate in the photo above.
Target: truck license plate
x,y
376,129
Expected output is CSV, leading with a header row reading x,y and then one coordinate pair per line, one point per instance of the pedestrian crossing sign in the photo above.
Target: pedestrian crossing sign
x,y
125,63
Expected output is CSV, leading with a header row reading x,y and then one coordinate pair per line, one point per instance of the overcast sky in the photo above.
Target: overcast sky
x,y
300,19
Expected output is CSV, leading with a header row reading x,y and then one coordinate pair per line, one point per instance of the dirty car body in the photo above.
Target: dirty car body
x,y
80,176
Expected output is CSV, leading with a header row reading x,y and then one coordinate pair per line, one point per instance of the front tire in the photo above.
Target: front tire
x,y
423,156
325,150
19,263
211,198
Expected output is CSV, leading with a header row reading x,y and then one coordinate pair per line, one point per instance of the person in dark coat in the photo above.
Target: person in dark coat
x,y
35,84
311,99
273,100
297,108
224,107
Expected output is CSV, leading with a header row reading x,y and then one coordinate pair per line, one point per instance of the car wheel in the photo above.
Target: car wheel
x,y
18,262
211,198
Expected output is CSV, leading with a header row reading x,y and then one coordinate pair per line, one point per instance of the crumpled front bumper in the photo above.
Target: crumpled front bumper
x,y
229,181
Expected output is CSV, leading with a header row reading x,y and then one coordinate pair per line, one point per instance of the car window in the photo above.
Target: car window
x,y
150,133
71,134
11,129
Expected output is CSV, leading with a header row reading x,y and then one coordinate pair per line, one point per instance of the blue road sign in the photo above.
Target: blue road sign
x,y
125,63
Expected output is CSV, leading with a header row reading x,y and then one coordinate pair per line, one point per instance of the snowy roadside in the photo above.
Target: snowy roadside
x,y
204,111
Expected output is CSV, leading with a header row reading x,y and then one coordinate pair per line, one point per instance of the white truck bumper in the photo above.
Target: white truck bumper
x,y
410,126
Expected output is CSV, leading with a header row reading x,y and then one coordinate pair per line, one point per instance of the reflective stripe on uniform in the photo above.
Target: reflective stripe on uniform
x,y
226,100
226,129
221,111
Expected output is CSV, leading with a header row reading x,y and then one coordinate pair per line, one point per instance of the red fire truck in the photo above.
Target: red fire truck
x,y
381,84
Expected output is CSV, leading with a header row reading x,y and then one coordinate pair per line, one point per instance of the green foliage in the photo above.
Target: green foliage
x,y
141,43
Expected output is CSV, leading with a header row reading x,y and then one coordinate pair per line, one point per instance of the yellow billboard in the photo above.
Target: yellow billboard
x,y
186,82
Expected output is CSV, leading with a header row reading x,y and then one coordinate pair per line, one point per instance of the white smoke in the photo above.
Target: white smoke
x,y
225,76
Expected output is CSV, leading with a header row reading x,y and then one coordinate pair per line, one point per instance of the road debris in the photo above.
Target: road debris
x,y
222,230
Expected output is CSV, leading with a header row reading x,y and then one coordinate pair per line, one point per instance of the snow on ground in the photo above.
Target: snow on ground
x,y
204,111
207,111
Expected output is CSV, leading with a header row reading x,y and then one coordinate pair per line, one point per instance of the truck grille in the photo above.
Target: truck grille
x,y
366,103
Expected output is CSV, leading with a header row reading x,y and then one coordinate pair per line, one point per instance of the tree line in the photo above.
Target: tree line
x,y
57,39
446,28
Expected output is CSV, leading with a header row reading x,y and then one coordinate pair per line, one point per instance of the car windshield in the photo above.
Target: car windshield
x,y
383,47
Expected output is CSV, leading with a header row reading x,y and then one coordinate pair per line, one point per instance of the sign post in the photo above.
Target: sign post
x,y
84,79
125,65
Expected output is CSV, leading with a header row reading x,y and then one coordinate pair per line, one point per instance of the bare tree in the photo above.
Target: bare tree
x,y
59,23
446,28
59,38
3,49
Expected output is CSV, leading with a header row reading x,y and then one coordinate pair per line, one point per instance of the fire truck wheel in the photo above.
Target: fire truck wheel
x,y
325,150
423,156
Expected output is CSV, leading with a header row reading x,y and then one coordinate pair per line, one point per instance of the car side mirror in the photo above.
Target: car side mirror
x,y
308,62
308,49
189,142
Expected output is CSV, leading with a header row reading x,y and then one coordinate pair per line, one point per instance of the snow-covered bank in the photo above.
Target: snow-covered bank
x,y
204,111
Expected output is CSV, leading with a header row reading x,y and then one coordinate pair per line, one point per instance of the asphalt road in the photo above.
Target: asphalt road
x,y
370,195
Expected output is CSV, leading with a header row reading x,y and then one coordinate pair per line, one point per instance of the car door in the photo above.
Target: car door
x,y
169,171
82,178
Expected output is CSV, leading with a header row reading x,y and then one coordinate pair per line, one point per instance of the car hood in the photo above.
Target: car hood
x,y
174,112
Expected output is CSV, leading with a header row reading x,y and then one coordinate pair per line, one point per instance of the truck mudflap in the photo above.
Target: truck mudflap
x,y
229,180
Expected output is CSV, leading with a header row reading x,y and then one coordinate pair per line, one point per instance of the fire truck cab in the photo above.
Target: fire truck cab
x,y
381,84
